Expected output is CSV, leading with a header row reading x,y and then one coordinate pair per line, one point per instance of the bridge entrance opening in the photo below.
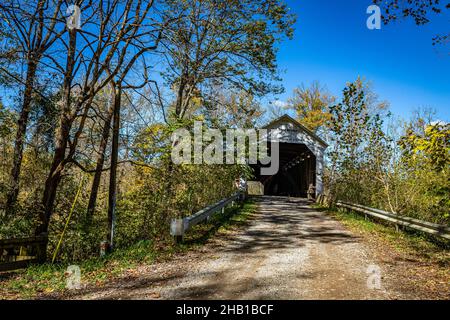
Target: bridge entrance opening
x,y
296,172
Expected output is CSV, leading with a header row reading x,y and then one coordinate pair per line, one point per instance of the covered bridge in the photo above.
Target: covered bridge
x,y
301,160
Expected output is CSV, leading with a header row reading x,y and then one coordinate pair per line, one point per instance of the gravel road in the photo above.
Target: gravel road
x,y
288,251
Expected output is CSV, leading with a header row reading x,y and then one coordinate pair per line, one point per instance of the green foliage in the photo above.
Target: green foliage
x,y
7,126
7,123
365,167
425,162
417,10
430,146
359,146
51,278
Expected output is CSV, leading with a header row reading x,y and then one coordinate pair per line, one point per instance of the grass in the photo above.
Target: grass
x,y
420,261
405,241
51,278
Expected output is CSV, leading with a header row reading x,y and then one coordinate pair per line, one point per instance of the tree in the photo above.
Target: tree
x,y
232,110
418,10
120,28
422,183
430,145
118,85
120,82
7,125
355,123
311,105
227,43
35,29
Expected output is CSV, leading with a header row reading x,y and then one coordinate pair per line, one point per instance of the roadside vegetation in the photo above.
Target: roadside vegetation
x,y
52,278
378,160
405,241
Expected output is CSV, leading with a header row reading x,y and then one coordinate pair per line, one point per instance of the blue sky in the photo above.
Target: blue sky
x,y
333,45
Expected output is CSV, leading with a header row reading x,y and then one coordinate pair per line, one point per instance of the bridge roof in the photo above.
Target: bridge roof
x,y
286,118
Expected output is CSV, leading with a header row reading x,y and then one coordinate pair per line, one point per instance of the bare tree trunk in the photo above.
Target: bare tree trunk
x,y
113,173
62,138
33,34
54,176
20,135
180,94
99,167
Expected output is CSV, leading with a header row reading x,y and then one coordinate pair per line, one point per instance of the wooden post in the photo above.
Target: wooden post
x,y
41,248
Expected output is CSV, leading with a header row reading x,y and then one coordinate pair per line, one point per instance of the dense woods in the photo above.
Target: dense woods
x,y
87,110
86,116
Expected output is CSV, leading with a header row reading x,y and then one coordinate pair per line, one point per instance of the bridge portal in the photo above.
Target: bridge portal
x,y
297,171
301,160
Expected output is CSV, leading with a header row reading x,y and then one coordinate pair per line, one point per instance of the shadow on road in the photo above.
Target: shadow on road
x,y
281,228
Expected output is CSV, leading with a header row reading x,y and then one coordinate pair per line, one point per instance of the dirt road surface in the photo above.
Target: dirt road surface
x,y
288,251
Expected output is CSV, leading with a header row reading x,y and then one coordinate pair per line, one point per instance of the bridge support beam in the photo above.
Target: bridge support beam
x,y
319,172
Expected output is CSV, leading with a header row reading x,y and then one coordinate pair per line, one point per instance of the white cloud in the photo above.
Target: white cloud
x,y
280,103
438,122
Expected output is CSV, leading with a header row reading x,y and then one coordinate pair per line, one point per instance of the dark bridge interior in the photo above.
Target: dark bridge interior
x,y
297,170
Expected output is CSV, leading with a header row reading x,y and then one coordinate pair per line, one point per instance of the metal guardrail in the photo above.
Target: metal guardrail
x,y
424,226
179,227
19,253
